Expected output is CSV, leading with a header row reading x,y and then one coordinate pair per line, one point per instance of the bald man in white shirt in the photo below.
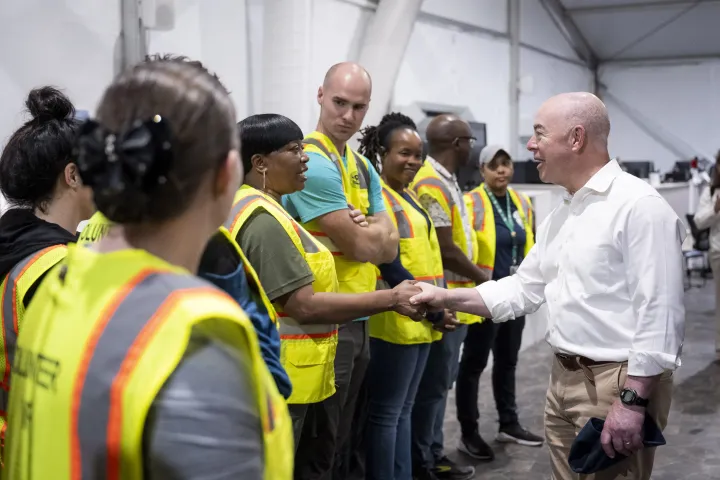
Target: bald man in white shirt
x,y
608,263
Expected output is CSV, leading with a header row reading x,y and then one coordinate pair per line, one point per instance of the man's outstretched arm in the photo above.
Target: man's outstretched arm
x,y
501,300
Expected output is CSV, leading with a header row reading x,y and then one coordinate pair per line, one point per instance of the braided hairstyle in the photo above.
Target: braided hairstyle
x,y
375,140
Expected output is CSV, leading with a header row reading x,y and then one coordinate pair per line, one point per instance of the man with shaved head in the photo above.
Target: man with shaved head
x,y
450,143
340,179
608,263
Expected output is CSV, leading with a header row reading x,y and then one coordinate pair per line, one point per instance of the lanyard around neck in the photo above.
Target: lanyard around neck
x,y
507,219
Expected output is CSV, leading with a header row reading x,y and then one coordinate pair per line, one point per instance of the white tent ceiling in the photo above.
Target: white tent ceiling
x,y
641,30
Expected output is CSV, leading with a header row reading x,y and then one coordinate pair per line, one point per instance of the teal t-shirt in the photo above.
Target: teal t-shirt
x,y
323,192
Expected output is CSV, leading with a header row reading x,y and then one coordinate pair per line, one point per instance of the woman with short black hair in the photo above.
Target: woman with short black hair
x,y
298,273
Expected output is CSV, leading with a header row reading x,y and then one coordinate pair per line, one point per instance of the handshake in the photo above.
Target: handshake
x,y
408,301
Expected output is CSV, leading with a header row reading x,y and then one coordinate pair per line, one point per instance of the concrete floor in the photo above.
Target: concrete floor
x,y
693,432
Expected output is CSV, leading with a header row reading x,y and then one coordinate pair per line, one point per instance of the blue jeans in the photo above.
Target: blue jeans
x,y
393,378
428,414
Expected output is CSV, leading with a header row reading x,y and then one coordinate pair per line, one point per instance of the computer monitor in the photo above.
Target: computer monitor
x,y
639,168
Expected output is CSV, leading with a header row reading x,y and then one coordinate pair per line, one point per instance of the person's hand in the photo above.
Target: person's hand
x,y
434,297
402,294
449,323
623,430
357,216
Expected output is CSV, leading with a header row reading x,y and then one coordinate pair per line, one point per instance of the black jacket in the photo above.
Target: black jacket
x,y
22,234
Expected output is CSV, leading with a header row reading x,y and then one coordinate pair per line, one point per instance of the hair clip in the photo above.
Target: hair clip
x,y
139,157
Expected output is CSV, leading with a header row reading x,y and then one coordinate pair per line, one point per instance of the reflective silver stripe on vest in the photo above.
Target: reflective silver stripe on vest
x,y
403,222
8,323
525,207
237,210
478,211
116,345
436,182
363,174
307,242
290,327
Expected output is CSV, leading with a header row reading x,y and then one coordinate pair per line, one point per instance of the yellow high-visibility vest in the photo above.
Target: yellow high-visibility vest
x,y
353,277
307,351
428,182
482,219
98,226
102,336
15,287
420,255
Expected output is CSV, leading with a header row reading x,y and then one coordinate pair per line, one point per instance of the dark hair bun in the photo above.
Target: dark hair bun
x,y
48,103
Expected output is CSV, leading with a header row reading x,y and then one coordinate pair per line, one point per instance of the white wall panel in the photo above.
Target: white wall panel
x,y
549,77
490,14
678,103
68,44
214,33
459,69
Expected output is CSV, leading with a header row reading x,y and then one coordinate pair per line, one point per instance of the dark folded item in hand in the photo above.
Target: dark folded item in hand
x,y
587,454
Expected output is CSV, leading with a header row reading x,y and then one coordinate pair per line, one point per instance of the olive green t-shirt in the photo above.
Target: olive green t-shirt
x,y
281,268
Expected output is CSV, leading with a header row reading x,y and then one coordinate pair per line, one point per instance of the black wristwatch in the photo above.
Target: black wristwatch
x,y
630,397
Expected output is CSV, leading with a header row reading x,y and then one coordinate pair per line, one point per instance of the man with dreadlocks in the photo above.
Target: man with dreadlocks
x,y
399,346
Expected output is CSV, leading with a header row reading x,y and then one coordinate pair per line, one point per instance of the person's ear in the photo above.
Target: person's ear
x,y
320,95
383,153
259,163
578,138
72,176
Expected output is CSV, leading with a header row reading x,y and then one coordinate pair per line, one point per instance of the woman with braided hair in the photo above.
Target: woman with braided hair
x,y
399,346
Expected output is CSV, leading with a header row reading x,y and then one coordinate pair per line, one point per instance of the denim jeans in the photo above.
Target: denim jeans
x,y
429,410
393,378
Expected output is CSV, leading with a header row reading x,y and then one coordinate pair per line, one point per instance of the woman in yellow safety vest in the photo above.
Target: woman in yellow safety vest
x,y
399,346
43,185
298,274
502,220
124,350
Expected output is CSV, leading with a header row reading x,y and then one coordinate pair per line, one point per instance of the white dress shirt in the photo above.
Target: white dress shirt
x,y
608,262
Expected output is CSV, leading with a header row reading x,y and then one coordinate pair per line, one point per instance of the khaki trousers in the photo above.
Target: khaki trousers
x,y
715,266
572,400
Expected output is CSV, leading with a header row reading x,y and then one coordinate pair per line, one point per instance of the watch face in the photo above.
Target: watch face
x,y
627,396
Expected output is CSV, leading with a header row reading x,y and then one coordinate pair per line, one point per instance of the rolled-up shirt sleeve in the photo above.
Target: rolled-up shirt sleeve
x,y
518,294
652,248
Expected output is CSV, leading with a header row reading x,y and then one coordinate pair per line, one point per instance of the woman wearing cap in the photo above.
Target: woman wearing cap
x,y
130,366
502,220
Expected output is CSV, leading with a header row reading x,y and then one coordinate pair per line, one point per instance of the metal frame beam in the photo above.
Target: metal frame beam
x,y
663,60
132,34
513,14
431,19
639,6
571,32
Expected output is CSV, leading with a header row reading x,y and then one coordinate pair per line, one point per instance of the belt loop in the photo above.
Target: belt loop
x,y
586,370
